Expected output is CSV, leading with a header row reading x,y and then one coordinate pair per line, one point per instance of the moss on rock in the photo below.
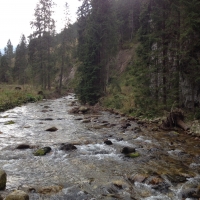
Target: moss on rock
x,y
133,155
42,152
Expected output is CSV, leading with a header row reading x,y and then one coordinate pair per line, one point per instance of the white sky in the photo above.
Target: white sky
x,y
15,16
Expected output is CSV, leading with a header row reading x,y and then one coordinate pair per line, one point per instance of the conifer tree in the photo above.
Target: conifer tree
x,y
97,42
7,63
21,62
44,26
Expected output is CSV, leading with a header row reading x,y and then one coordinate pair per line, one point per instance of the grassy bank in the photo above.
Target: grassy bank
x,y
12,95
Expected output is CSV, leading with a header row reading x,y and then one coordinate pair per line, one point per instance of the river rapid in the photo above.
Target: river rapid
x,y
168,167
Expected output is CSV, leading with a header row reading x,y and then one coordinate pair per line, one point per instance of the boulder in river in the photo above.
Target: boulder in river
x,y
52,129
67,147
17,195
108,142
140,178
125,125
3,179
189,193
127,150
23,146
83,109
43,151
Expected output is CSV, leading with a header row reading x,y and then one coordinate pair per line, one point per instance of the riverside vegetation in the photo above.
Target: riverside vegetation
x,y
141,56
12,96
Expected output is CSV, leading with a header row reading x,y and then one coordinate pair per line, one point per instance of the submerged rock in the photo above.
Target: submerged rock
x,y
173,134
189,193
48,119
86,120
3,179
43,151
67,147
17,195
50,189
52,129
138,178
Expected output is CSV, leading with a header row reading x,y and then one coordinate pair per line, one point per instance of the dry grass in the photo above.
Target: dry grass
x,y
15,95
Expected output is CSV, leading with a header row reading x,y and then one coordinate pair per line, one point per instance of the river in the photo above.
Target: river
x,y
168,167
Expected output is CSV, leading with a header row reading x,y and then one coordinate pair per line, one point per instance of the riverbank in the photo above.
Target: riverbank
x,y
13,95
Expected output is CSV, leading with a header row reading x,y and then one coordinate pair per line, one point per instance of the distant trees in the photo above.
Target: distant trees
x,y
64,49
166,67
41,43
6,63
21,62
169,51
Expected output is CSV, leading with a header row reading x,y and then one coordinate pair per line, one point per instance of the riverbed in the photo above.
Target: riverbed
x,y
168,165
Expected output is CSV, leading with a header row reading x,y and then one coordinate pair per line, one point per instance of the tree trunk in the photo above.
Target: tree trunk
x,y
61,74
164,46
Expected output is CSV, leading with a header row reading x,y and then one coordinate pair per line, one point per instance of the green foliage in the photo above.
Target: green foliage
x,y
41,42
197,114
10,97
21,62
97,42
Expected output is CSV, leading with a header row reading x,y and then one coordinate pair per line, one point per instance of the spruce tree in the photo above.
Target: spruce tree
x,y
21,62
97,42
44,26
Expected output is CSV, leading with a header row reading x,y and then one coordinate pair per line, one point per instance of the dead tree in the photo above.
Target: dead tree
x,y
174,119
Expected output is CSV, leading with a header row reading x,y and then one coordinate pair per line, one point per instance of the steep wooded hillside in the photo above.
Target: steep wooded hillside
x,y
139,55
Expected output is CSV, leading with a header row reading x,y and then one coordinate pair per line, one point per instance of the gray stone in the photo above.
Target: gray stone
x,y
17,195
83,109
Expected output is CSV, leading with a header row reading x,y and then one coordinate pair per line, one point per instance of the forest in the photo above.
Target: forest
x,y
163,72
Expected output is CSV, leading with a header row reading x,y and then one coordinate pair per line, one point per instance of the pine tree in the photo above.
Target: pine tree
x,y
97,42
190,46
44,26
8,51
7,63
4,70
21,62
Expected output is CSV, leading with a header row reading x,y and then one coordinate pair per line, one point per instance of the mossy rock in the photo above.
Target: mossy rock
x,y
9,123
42,152
128,150
133,155
3,179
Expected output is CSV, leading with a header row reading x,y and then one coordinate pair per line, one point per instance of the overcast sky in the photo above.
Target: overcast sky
x,y
16,15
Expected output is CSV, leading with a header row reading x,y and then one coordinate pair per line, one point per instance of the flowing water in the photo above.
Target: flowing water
x,y
168,167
